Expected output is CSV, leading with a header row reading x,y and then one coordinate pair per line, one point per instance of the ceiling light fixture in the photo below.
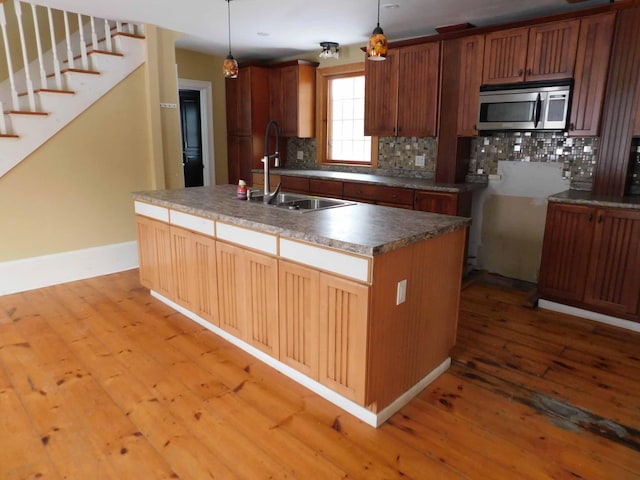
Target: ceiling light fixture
x,y
230,66
377,49
330,50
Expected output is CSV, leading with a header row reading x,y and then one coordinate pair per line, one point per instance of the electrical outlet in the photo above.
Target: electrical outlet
x,y
300,155
401,292
419,160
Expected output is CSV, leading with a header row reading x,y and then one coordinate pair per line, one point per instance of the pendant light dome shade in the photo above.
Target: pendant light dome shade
x,y
378,45
230,65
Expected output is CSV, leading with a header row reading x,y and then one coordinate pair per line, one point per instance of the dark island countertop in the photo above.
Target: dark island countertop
x,y
587,198
373,179
358,228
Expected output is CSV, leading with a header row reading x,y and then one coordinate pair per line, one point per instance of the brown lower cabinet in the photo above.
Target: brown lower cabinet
x,y
446,203
591,259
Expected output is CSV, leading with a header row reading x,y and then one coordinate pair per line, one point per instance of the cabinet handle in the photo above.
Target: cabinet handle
x,y
520,72
528,71
572,126
590,217
600,219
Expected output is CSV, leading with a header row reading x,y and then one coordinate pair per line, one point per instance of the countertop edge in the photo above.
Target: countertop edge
x,y
355,248
578,197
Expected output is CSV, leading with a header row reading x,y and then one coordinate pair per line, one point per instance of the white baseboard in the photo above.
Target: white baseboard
x,y
37,272
588,314
358,411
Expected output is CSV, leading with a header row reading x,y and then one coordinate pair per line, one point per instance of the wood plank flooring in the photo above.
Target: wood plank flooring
x,y
98,380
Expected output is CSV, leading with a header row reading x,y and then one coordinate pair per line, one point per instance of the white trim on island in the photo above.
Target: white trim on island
x,y
371,418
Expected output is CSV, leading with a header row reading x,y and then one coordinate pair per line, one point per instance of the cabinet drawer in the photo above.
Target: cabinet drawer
x,y
437,202
295,184
378,193
327,188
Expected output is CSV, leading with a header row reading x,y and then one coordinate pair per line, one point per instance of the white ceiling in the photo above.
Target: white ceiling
x,y
282,28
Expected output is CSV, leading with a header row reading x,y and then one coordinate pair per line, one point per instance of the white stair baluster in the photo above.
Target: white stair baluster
x,y
5,41
107,36
94,34
43,72
118,27
83,45
67,34
56,62
25,58
131,28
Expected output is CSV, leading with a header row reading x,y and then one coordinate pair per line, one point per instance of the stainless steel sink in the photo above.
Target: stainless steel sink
x,y
301,203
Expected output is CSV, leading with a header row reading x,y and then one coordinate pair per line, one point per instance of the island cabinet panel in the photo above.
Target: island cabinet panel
x,y
231,285
260,294
418,72
154,250
381,95
613,282
343,336
470,73
432,270
299,294
590,77
565,251
183,265
206,278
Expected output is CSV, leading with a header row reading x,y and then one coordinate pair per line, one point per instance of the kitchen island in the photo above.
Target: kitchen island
x,y
359,303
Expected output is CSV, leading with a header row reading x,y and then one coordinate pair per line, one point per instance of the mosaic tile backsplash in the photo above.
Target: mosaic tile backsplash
x,y
397,155
578,155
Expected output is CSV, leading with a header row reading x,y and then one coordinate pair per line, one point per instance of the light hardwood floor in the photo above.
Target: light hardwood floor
x,y
98,380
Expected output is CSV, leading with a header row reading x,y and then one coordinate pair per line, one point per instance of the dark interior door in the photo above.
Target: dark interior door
x,y
191,138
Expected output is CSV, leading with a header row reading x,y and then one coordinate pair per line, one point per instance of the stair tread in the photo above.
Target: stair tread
x,y
100,52
25,112
8,135
48,90
75,70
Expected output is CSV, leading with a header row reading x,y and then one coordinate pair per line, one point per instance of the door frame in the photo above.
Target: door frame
x,y
206,125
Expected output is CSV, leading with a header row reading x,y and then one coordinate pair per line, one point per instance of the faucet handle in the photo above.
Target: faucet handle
x,y
276,161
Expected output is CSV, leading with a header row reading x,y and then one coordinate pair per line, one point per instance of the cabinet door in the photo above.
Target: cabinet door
x,y
418,77
343,336
613,281
552,50
298,317
261,301
239,156
238,98
381,95
566,251
437,202
378,193
289,96
471,54
205,275
590,77
182,261
276,98
327,188
231,285
154,244
294,184
505,56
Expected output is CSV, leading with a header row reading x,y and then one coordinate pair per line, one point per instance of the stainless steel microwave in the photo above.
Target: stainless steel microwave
x,y
524,107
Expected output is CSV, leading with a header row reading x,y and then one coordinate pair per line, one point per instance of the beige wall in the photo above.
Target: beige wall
x,y
74,191
208,68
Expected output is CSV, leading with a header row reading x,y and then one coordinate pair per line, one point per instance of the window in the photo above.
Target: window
x,y
340,133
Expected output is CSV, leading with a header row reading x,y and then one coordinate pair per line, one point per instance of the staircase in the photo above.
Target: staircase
x,y
89,57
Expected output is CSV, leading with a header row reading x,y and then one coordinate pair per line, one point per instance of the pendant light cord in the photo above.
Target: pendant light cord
x,y
378,12
229,22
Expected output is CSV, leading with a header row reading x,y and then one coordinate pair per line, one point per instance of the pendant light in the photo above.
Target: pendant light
x,y
377,49
230,66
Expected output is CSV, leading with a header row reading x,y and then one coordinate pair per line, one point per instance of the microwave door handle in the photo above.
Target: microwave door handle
x,y
536,111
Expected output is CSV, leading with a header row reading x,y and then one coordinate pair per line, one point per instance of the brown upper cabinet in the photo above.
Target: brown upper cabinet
x,y
636,121
541,52
470,74
401,93
590,78
292,90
